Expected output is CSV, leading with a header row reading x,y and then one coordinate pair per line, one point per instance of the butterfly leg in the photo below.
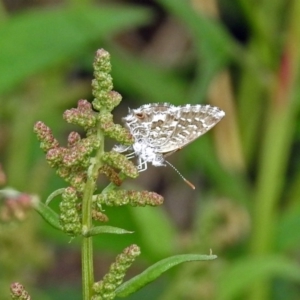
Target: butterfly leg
x,y
130,155
121,148
142,165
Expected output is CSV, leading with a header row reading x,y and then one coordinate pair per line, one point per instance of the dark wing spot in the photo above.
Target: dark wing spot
x,y
140,115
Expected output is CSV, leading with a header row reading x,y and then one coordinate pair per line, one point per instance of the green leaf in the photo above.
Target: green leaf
x,y
155,271
288,228
248,271
39,39
53,195
105,229
46,212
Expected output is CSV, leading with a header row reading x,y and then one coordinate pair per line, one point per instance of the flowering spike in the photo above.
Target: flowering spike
x,y
115,131
133,198
99,216
105,289
69,218
83,115
111,174
119,161
14,206
18,292
79,164
45,136
73,138
102,84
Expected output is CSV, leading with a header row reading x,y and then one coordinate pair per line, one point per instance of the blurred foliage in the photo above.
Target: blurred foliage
x,y
242,56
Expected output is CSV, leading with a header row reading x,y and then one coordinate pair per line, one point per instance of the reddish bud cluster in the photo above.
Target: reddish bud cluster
x,y
2,176
44,134
83,115
72,162
111,174
18,292
99,216
73,138
15,207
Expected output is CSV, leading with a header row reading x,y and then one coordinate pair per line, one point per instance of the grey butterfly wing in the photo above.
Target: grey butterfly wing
x,y
184,126
168,128
152,123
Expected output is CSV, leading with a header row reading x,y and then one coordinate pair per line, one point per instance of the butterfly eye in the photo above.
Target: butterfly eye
x,y
140,115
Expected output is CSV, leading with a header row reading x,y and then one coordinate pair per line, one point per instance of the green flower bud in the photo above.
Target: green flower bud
x,y
119,161
114,278
133,198
115,131
70,219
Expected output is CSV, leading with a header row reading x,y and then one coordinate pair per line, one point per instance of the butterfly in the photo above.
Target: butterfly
x,y
161,129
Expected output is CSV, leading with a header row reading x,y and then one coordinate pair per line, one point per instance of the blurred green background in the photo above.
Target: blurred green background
x,y
239,55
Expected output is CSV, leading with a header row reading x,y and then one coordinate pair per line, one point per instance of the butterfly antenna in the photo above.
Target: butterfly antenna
x,y
184,179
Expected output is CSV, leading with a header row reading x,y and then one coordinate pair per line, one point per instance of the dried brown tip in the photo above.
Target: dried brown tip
x,y
189,183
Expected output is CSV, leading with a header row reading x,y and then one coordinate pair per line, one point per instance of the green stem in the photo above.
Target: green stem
x,y
271,178
87,242
272,172
87,267
275,152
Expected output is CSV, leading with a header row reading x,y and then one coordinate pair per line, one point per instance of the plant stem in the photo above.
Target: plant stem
x,y
87,242
275,152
